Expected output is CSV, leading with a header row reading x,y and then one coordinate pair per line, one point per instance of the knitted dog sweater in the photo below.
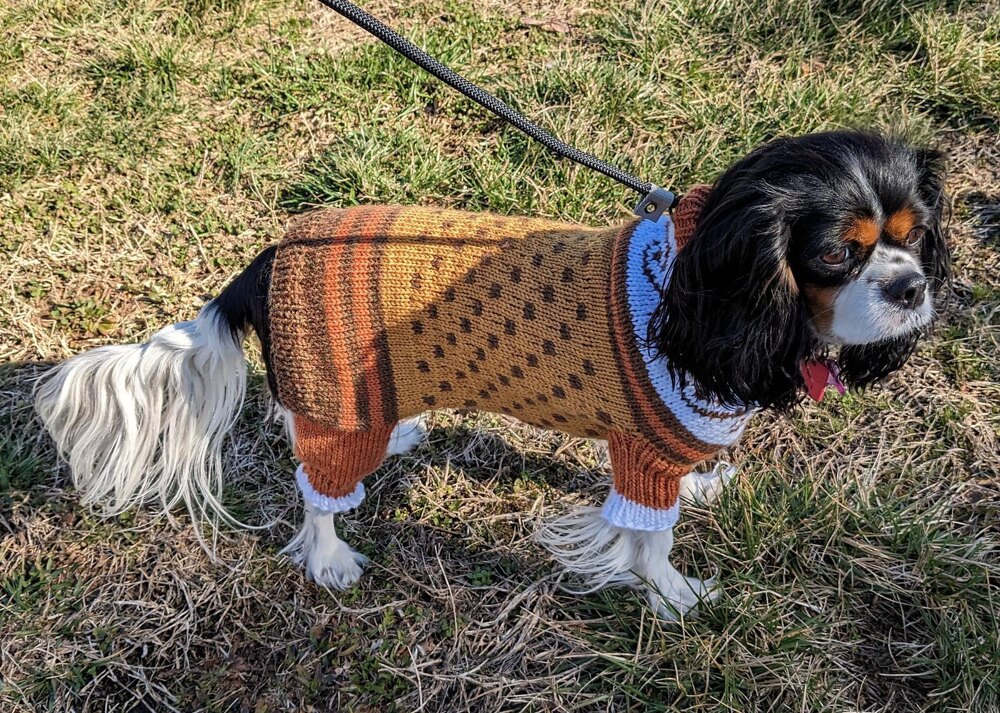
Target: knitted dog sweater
x,y
381,313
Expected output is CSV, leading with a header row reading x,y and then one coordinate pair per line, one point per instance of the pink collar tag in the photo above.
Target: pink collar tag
x,y
819,375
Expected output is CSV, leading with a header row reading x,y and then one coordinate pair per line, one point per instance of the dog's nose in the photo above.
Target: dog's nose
x,y
906,290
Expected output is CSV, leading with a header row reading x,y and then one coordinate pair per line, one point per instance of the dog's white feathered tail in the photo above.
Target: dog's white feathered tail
x,y
145,422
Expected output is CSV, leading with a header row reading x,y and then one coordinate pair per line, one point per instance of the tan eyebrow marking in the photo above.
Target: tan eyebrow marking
x,y
901,223
864,231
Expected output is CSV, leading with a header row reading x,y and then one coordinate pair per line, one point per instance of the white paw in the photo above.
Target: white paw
x,y
677,597
406,436
704,488
335,565
328,560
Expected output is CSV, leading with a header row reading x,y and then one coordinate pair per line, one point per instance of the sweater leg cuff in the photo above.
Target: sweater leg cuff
x,y
628,515
324,503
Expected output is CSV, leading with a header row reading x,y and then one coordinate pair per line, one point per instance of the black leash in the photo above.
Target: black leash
x,y
655,200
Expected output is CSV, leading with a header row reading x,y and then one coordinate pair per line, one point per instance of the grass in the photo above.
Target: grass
x,y
148,150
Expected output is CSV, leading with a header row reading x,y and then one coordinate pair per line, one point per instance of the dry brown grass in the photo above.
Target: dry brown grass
x,y
147,151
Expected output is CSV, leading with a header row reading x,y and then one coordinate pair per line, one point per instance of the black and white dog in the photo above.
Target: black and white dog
x,y
819,249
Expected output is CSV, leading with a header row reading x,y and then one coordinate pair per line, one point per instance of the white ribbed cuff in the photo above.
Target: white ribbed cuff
x,y
325,503
628,515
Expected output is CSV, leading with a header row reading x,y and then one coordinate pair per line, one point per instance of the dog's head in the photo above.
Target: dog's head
x,y
827,241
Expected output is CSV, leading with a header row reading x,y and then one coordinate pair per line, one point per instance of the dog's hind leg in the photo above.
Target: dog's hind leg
x,y
327,559
333,465
406,436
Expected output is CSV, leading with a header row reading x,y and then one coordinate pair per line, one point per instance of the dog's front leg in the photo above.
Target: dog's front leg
x,y
601,554
704,488
670,593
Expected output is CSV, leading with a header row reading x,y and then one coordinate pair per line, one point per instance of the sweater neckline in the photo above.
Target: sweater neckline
x,y
652,250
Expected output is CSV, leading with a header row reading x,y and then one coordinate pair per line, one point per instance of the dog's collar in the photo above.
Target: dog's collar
x,y
687,212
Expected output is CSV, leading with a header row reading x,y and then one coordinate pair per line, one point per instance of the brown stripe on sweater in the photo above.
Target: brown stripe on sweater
x,y
383,355
360,284
312,354
362,266
378,366
352,259
328,351
341,372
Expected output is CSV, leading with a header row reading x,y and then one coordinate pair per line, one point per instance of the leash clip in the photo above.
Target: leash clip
x,y
657,202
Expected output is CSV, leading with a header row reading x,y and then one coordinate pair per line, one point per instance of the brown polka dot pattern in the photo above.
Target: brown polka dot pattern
x,y
427,308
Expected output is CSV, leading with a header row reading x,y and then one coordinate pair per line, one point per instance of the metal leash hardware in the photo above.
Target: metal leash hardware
x,y
655,200
656,203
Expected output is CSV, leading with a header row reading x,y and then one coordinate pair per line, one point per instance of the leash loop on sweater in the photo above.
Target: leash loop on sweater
x,y
655,200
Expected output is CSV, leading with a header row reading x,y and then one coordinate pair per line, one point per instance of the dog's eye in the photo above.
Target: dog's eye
x,y
915,236
837,257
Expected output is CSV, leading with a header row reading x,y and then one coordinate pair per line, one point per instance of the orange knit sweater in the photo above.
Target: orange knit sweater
x,y
381,313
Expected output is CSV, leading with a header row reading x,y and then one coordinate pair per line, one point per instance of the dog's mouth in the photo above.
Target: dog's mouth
x,y
819,375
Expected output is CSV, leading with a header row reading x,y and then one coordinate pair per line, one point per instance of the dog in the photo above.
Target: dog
x,y
814,260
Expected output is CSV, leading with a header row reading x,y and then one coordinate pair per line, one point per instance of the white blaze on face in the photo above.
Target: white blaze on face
x,y
863,313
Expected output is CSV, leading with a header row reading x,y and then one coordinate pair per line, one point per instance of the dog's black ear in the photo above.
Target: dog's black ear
x,y
935,255
731,320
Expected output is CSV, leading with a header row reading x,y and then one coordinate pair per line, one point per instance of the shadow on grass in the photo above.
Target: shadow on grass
x,y
487,455
150,575
25,450
30,468
985,208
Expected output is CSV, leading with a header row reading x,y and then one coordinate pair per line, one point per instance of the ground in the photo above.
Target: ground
x,y
148,149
